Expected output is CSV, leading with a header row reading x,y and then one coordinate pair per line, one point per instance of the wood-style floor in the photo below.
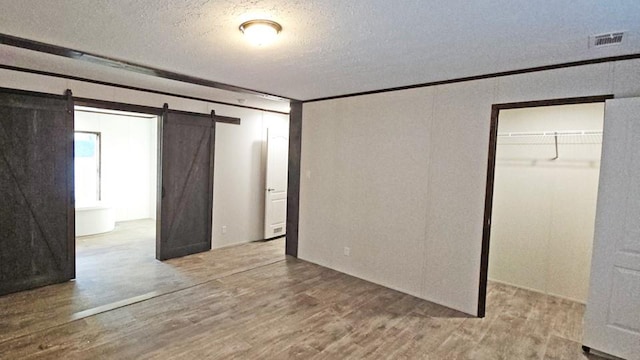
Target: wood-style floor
x,y
250,302
118,268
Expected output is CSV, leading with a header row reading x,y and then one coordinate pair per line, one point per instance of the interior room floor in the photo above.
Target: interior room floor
x,y
250,302
119,268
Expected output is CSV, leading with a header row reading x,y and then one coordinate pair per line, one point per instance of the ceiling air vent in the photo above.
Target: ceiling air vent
x,y
605,39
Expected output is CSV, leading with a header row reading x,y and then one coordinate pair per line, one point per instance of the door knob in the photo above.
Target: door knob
x,y
270,189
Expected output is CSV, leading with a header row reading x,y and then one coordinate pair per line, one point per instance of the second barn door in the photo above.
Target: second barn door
x,y
185,191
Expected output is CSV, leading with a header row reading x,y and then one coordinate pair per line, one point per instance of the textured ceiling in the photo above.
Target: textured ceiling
x,y
329,47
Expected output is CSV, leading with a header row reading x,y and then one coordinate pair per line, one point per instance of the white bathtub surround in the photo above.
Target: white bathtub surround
x,y
94,218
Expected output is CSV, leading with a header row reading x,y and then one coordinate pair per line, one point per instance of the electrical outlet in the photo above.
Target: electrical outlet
x,y
224,229
347,251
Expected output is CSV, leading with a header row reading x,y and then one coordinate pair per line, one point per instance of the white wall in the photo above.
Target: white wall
x,y
236,200
128,161
239,178
400,177
544,210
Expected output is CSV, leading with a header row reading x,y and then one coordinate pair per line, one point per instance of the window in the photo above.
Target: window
x,y
87,167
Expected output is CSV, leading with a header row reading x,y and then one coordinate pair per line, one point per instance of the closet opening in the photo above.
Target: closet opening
x,y
542,184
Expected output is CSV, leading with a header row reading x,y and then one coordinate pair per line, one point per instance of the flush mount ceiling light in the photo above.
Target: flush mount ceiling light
x,y
260,32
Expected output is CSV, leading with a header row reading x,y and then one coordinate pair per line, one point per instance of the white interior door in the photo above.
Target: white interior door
x,y
612,319
275,214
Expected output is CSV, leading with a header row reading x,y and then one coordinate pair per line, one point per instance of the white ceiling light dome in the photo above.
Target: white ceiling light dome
x,y
260,32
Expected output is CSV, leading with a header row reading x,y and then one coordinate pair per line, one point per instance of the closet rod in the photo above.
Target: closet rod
x,y
552,133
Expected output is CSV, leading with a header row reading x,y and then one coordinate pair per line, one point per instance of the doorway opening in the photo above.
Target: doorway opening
x,y
542,185
115,165
115,176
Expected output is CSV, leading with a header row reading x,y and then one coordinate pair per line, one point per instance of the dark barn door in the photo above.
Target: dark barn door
x,y
37,227
185,184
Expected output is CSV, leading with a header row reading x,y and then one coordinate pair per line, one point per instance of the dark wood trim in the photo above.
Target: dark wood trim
x,y
204,116
486,76
293,181
111,105
35,93
488,205
71,188
226,120
94,110
135,88
126,65
212,156
491,167
160,191
13,41
553,102
141,109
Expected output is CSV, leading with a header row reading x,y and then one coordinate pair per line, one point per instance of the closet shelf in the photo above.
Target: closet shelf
x,y
575,137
